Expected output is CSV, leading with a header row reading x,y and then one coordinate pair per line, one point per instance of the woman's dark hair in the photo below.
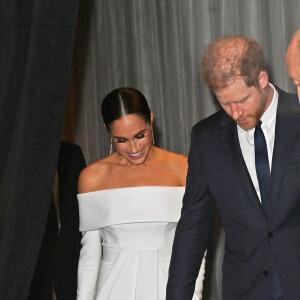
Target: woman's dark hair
x,y
124,101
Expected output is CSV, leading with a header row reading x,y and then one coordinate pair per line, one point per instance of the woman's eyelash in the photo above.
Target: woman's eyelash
x,y
140,136
121,141
124,140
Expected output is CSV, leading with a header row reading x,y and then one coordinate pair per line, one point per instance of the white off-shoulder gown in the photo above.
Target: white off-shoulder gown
x,y
127,243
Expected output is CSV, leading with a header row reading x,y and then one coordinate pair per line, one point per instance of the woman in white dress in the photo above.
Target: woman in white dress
x,y
129,205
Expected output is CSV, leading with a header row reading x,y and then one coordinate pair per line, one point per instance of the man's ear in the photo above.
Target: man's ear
x,y
263,79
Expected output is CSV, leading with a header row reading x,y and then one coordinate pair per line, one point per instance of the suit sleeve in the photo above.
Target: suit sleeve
x,y
193,228
89,263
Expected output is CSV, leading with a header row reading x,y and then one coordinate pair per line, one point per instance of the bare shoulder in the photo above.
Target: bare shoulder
x,y
175,162
175,166
175,159
93,176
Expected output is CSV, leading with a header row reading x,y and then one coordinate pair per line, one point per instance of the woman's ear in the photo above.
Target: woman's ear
x,y
151,116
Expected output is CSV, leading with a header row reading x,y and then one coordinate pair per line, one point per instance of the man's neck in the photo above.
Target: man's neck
x,y
269,91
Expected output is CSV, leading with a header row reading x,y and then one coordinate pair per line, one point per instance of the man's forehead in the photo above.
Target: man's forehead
x,y
235,92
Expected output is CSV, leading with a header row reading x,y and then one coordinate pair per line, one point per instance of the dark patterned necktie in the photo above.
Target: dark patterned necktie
x,y
262,166
264,176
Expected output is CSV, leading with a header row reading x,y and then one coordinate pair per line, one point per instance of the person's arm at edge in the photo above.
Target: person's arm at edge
x,y
192,230
90,252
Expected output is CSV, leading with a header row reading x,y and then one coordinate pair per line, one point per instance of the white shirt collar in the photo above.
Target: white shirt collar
x,y
270,114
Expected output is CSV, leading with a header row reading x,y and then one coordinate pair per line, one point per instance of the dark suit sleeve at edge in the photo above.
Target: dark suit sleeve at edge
x,y
193,228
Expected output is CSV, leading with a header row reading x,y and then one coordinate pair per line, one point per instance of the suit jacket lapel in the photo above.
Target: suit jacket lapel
x,y
284,132
235,157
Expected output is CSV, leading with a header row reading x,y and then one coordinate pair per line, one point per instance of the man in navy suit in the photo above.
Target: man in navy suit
x,y
244,161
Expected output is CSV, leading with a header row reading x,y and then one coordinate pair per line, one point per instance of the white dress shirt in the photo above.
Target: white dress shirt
x,y
246,139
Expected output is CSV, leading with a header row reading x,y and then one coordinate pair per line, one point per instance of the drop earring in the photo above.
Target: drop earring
x,y
111,147
153,142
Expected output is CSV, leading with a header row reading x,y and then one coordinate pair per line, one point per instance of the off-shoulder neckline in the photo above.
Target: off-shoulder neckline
x,y
133,187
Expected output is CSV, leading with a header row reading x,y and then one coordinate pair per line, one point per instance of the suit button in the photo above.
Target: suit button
x,y
270,234
266,273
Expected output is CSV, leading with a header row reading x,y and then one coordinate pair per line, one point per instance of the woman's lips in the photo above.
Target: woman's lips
x,y
136,155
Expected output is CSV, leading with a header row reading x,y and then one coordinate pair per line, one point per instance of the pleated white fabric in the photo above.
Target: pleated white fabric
x,y
127,242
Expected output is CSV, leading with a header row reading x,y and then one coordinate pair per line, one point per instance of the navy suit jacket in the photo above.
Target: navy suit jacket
x,y
218,177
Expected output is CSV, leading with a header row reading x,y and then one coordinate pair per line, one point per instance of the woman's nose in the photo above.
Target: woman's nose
x,y
133,147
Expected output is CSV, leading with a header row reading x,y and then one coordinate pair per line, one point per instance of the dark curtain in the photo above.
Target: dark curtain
x,y
36,46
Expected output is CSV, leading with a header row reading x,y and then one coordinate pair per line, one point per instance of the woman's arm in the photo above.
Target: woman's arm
x,y
89,262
